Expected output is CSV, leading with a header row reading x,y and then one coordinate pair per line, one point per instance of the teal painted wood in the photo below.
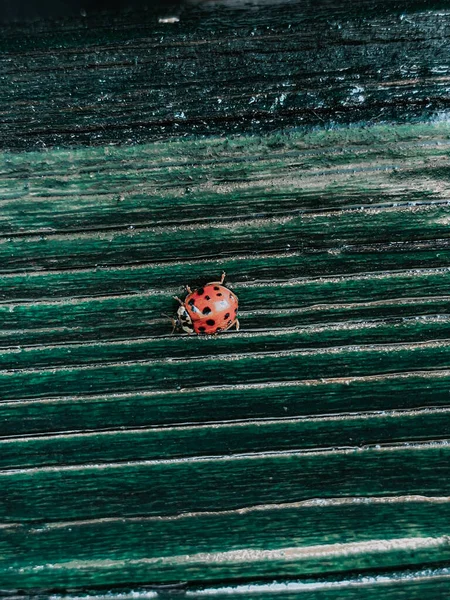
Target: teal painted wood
x,y
412,584
338,382
128,562
309,525
409,584
410,391
300,172
225,438
311,447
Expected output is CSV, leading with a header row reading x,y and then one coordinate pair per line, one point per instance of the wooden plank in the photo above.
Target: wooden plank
x,y
194,181
307,264
412,584
373,336
256,235
298,540
348,395
219,483
256,368
223,71
224,439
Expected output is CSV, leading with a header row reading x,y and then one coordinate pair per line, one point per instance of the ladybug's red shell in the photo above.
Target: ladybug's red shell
x,y
212,308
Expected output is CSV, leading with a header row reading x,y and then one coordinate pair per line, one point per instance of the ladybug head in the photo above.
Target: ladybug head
x,y
183,320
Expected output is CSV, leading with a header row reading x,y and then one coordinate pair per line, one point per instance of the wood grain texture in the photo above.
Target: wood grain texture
x,y
311,447
413,584
222,71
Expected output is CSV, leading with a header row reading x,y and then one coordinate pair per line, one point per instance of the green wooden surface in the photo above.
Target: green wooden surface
x,y
302,148
413,584
225,68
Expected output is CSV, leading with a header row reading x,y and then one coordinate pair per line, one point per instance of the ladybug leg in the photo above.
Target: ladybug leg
x,y
174,323
222,277
237,324
180,301
188,289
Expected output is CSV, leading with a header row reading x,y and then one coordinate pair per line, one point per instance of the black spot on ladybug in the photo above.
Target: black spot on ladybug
x,y
207,298
219,329
202,329
216,288
206,310
226,316
229,322
218,294
200,292
191,302
235,310
231,295
210,322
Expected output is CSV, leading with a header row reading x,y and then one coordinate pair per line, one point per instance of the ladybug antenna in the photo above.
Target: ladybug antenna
x,y
172,320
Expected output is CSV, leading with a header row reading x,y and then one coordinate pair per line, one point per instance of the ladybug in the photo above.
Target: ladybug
x,y
207,310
